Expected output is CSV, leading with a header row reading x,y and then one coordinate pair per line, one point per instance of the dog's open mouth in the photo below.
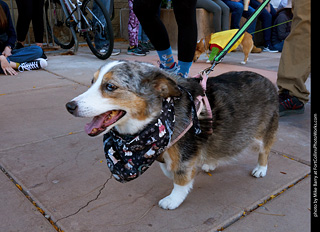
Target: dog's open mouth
x,y
101,122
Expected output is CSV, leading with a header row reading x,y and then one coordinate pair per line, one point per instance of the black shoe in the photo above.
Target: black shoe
x,y
150,46
143,47
136,51
289,104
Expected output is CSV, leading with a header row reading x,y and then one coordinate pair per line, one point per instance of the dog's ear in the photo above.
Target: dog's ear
x,y
165,86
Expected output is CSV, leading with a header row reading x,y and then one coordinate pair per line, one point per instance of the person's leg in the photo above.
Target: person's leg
x,y
147,13
133,26
214,8
149,18
24,18
26,54
278,46
224,15
295,61
140,33
99,40
37,20
185,13
266,20
247,15
236,9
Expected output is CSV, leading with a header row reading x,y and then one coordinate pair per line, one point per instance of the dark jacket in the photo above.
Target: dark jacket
x,y
8,34
280,33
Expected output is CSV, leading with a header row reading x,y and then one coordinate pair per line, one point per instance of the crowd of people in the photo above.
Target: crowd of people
x,y
284,28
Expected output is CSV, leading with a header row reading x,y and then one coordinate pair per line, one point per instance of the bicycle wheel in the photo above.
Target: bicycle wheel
x,y
57,25
96,28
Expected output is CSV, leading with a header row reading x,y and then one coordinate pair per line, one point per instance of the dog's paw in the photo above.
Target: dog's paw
x,y
243,62
259,171
177,196
169,202
208,168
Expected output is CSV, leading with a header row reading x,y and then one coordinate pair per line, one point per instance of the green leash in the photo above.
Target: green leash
x,y
237,36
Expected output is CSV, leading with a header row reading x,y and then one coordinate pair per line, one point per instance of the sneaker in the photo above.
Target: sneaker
x,y
33,65
105,49
269,49
135,50
174,69
150,46
143,47
289,104
115,52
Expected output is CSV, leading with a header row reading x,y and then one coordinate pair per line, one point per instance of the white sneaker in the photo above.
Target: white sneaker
x,y
33,65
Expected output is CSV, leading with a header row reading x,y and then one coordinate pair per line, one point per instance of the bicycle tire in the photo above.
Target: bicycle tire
x,y
103,33
59,25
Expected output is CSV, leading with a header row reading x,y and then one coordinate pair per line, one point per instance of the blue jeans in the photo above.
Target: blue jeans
x,y
99,40
278,46
25,54
142,36
237,12
266,19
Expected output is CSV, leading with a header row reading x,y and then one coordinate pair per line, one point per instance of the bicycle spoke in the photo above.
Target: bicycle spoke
x,y
58,31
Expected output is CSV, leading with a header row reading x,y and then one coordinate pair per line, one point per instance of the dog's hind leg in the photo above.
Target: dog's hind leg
x,y
265,146
261,169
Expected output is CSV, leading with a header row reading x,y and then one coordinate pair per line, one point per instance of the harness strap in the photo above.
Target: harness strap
x,y
200,102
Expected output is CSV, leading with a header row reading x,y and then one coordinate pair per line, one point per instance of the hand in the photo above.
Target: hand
x,y
7,51
7,69
268,8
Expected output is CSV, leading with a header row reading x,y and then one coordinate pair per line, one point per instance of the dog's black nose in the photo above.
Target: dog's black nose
x,y
71,107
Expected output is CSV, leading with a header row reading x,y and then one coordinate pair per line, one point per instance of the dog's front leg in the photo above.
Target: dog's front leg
x,y
183,182
176,197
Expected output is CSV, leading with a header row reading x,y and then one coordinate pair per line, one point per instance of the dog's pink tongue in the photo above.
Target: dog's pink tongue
x,y
95,123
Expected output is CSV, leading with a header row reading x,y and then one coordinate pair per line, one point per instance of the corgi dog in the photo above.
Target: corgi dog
x,y
127,97
246,46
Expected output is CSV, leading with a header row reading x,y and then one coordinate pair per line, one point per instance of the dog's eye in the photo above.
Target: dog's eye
x,y
110,87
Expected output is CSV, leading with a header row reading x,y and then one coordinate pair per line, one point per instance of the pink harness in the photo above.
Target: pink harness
x,y
200,102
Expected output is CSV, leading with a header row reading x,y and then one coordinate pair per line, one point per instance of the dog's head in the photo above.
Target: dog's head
x,y
124,94
200,49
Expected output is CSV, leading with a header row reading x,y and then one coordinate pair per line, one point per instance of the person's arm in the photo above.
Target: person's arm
x,y
7,51
6,67
282,29
12,37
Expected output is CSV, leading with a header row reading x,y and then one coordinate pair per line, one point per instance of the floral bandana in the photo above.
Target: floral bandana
x,y
128,156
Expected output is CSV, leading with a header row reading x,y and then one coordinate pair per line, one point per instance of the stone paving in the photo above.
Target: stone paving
x,y
54,177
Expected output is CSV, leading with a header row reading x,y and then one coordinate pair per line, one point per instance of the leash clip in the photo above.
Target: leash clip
x,y
207,71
